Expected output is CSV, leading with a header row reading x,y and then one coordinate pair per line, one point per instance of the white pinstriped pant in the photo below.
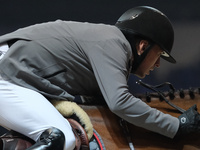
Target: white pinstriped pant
x,y
30,113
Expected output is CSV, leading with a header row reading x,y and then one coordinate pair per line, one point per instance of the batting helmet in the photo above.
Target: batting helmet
x,y
150,23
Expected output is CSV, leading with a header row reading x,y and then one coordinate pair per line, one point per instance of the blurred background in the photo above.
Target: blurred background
x,y
184,15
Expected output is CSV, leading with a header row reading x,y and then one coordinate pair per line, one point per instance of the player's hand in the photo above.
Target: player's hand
x,y
189,122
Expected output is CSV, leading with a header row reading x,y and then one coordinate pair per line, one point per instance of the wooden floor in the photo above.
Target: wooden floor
x,y
107,125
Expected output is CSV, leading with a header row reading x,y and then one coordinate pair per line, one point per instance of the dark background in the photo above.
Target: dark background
x,y
184,15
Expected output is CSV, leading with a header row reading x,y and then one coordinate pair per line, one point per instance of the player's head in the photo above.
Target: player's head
x,y
147,23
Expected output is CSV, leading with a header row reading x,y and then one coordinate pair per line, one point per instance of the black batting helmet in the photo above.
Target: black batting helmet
x,y
150,23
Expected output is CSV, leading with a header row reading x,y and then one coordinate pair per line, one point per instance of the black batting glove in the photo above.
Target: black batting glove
x,y
189,122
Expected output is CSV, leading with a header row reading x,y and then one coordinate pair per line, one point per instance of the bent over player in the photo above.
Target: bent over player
x,y
59,60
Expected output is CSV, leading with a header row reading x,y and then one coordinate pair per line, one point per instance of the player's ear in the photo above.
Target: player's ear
x,y
142,46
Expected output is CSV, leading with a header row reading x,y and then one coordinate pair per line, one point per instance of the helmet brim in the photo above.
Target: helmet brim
x,y
166,56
